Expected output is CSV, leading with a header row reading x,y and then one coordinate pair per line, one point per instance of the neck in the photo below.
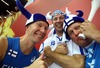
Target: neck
x,y
88,42
26,45
59,33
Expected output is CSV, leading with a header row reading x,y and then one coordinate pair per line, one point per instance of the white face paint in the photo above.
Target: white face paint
x,y
82,36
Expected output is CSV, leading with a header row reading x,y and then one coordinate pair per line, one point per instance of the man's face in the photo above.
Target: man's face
x,y
37,31
73,32
58,22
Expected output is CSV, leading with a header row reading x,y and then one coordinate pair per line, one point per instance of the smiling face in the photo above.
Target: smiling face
x,y
73,31
37,31
58,22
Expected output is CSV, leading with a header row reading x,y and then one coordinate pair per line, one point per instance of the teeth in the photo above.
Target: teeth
x,y
40,36
59,25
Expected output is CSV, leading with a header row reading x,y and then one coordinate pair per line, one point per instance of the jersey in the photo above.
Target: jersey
x,y
54,40
14,58
93,55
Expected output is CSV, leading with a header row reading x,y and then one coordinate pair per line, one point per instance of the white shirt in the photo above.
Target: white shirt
x,y
53,41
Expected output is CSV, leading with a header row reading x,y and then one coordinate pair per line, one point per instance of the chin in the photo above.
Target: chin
x,y
82,44
38,40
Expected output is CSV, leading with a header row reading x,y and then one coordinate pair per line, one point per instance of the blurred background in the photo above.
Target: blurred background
x,y
8,9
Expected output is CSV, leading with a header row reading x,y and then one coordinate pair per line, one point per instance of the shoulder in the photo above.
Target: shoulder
x,y
3,46
3,40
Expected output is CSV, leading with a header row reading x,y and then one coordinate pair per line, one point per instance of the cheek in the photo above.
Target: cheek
x,y
33,31
54,24
46,32
73,37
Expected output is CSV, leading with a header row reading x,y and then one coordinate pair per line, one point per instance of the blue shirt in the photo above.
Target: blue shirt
x,y
14,56
93,56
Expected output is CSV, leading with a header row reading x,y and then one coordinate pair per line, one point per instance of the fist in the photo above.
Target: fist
x,y
47,50
62,49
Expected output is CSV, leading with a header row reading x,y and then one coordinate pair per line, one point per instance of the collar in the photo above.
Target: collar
x,y
90,44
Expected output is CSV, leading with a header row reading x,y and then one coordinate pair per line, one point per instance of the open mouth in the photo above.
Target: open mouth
x,y
39,36
59,25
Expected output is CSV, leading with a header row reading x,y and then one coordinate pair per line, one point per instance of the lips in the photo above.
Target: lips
x,y
59,25
80,40
40,36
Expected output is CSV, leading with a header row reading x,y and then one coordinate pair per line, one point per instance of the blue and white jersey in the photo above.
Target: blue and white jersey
x,y
14,57
93,55
54,40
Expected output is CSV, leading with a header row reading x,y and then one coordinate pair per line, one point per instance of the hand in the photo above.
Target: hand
x,y
39,63
89,29
47,51
62,49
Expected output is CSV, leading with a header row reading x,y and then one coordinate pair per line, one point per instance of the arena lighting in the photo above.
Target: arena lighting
x,y
8,6
9,12
5,2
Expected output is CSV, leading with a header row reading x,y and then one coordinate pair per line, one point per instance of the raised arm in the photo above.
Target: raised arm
x,y
75,61
90,31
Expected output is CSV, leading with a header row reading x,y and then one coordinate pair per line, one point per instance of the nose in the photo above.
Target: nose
x,y
76,32
43,30
59,20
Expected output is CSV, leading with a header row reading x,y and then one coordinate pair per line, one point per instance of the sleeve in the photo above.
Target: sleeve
x,y
41,47
44,44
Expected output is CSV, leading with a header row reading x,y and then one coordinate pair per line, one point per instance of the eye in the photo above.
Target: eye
x,y
61,18
70,32
77,28
39,24
46,28
54,19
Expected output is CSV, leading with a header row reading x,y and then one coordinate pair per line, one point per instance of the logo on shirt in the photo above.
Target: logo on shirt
x,y
92,63
7,66
33,59
12,53
53,42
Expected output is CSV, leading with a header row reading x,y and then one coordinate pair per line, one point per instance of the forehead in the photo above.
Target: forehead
x,y
41,23
58,15
72,26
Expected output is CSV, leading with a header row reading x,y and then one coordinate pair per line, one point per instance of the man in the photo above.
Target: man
x,y
91,44
58,42
74,26
20,51
65,61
